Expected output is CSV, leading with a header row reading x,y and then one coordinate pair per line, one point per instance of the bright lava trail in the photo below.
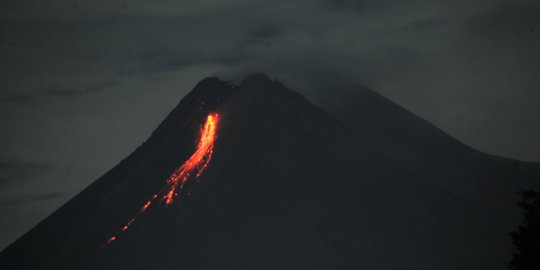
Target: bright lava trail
x,y
192,168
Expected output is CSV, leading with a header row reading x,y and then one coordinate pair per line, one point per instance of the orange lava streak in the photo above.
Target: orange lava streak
x,y
197,162
195,165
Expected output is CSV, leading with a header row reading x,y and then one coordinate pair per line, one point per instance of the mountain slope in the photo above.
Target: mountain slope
x,y
417,143
289,187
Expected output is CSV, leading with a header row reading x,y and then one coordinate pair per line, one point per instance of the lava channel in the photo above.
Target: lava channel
x,y
191,169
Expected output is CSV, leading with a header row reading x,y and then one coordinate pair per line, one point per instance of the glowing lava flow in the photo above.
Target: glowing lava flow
x,y
193,167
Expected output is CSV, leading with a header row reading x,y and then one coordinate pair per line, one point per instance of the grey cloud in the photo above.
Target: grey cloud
x,y
53,93
350,5
20,200
519,22
12,171
265,31
429,23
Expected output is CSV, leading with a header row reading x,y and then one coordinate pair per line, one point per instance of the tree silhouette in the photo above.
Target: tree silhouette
x,y
526,238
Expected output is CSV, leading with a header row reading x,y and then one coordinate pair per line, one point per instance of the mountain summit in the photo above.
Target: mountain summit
x,y
284,184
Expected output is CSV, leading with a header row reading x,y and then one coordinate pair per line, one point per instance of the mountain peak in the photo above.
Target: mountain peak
x,y
256,80
287,185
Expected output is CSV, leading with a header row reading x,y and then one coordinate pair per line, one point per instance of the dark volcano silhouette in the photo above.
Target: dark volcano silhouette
x,y
291,186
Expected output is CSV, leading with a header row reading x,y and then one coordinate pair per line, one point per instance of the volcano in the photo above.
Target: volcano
x,y
283,184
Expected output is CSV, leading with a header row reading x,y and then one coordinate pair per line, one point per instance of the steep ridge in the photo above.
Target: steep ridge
x,y
142,172
417,143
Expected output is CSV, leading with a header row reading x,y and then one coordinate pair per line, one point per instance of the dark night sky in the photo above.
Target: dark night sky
x,y
85,82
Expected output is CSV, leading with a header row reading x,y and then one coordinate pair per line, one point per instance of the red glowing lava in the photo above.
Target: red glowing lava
x,y
192,168
198,162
